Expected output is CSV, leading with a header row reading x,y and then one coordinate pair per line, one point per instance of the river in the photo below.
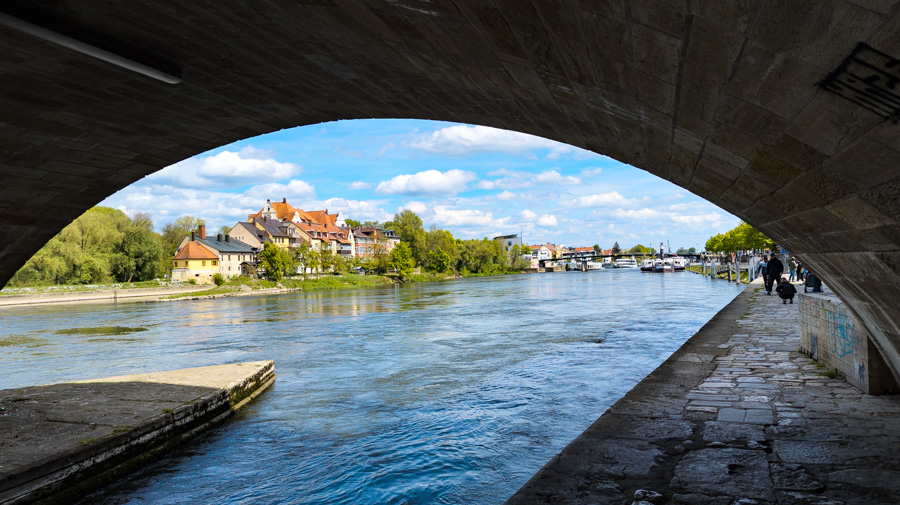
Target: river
x,y
452,392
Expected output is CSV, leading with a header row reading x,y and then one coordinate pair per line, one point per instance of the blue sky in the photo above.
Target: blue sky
x,y
472,180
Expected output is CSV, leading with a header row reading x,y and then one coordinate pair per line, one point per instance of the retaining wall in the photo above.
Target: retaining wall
x,y
831,335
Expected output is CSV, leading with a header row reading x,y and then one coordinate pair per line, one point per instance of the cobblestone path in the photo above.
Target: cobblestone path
x,y
735,417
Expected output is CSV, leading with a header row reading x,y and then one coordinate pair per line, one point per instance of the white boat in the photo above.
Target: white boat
x,y
626,263
678,263
663,266
647,265
594,265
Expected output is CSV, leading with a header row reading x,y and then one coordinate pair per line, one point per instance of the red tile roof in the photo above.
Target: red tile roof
x,y
194,251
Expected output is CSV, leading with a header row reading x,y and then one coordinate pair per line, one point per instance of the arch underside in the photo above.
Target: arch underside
x,y
739,104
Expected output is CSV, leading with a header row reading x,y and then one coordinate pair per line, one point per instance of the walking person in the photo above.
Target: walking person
x,y
792,268
774,269
761,267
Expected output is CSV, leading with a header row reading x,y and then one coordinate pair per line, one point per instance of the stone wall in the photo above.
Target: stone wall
x,y
830,334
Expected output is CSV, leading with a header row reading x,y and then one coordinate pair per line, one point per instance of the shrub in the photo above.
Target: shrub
x,y
218,278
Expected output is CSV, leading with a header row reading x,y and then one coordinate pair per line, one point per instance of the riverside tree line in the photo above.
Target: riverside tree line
x,y
105,245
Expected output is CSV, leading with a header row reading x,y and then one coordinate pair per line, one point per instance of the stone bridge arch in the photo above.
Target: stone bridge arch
x,y
782,113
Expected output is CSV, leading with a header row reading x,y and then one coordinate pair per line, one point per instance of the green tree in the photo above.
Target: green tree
x,y
304,257
597,249
439,261
274,261
224,229
352,223
641,249
408,227
616,249
139,255
401,260
174,233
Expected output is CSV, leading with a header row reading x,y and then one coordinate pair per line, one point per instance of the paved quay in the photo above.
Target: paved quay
x,y
60,441
735,417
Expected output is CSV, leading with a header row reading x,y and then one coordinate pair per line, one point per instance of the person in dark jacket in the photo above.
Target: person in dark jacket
x,y
774,269
786,291
813,284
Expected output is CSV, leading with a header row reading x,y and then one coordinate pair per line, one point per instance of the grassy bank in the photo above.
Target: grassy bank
x,y
331,282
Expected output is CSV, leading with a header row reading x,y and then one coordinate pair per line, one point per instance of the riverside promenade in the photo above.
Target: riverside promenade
x,y
735,417
61,441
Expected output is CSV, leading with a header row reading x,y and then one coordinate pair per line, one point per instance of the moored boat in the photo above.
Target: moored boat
x,y
647,265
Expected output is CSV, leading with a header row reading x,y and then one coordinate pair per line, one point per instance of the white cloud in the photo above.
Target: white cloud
x,y
465,140
548,220
361,210
293,190
429,182
599,200
506,195
417,207
227,168
641,214
444,216
554,177
486,185
592,172
359,185
529,215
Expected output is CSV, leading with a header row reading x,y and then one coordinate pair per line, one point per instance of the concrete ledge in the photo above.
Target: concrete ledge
x,y
62,441
103,295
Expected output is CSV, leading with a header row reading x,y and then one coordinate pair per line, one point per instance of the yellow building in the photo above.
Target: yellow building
x,y
193,261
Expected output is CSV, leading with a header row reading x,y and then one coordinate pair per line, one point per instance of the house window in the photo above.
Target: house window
x,y
204,263
215,263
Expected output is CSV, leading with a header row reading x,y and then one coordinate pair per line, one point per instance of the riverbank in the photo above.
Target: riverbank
x,y
162,292
736,415
62,441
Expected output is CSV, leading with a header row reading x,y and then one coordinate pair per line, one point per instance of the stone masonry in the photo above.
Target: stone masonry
x,y
832,336
735,417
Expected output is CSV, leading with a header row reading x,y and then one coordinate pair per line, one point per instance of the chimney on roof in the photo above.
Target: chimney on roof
x,y
193,236
201,230
227,238
219,237
284,200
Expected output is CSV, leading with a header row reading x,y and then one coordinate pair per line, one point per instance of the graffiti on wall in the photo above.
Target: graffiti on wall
x,y
841,333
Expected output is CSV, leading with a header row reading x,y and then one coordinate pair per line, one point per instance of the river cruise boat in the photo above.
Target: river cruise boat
x,y
647,265
678,263
663,266
626,263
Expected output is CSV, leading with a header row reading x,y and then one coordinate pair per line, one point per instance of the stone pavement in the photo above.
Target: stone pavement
x,y
736,417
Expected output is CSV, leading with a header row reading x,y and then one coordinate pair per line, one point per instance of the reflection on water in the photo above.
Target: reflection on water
x,y
454,392
99,330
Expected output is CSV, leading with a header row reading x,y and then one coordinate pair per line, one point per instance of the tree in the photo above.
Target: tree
x,y
401,260
352,223
597,249
641,249
616,249
174,233
304,257
408,226
274,261
439,261
224,229
139,255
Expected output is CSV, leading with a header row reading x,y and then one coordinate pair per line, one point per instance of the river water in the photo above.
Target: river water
x,y
453,392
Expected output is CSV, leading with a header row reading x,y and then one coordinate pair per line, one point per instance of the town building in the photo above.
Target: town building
x,y
231,253
194,261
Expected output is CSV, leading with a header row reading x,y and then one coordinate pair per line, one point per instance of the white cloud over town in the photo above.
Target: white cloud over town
x,y
226,169
429,182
